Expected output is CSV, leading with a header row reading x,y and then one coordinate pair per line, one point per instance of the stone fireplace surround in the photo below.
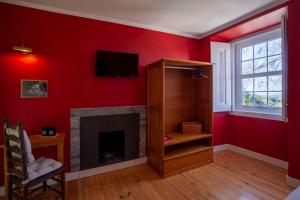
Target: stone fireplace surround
x,y
77,113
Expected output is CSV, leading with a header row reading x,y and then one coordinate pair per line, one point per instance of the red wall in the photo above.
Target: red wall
x,y
294,89
221,128
64,54
263,136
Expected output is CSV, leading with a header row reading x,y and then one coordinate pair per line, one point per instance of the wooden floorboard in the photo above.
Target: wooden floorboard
x,y
231,177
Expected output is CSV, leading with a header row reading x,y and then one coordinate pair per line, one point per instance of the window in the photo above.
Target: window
x,y
259,79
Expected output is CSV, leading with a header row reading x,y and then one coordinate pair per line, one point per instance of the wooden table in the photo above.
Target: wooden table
x,y
38,141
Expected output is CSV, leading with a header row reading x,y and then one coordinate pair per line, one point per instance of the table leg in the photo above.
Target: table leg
x,y
5,176
60,152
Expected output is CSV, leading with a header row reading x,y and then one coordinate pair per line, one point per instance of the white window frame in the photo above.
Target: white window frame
x,y
264,113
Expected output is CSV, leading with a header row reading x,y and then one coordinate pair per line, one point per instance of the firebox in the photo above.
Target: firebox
x,y
111,147
108,139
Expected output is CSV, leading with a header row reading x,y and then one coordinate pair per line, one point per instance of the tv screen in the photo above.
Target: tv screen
x,y
116,64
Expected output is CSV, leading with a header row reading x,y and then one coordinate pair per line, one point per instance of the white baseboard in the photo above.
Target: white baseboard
x,y
1,191
252,154
259,156
292,181
221,147
99,170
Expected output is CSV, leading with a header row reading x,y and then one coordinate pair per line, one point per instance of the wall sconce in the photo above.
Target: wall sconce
x,y
22,49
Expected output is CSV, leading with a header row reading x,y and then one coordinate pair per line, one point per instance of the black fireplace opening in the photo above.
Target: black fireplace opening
x,y
108,139
111,147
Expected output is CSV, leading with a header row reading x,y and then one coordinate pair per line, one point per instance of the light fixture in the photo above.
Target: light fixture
x,y
22,49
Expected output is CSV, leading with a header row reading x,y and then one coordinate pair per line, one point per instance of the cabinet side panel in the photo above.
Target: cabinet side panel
x,y
155,110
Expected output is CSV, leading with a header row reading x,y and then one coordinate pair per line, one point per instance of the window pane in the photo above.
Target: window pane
x,y
247,53
247,84
275,63
247,98
260,50
247,67
260,65
275,83
275,99
260,99
274,47
260,84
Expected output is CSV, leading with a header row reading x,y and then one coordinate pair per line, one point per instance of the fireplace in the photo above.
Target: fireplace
x,y
104,136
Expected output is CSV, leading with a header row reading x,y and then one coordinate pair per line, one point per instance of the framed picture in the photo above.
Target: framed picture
x,y
34,88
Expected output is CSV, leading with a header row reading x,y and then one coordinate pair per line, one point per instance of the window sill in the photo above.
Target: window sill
x,y
221,110
258,115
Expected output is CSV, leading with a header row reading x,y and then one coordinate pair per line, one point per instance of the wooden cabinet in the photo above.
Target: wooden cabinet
x,y
179,91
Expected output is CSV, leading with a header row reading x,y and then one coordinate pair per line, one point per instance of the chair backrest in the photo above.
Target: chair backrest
x,y
15,150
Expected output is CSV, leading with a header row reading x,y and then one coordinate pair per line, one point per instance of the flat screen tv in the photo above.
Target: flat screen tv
x,y
116,64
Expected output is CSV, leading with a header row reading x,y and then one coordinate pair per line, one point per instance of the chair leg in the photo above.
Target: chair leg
x,y
62,178
25,193
10,190
44,186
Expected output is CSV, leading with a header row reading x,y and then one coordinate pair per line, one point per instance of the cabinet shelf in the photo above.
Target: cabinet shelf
x,y
179,152
178,138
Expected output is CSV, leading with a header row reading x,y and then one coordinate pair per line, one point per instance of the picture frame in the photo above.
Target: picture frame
x,y
34,88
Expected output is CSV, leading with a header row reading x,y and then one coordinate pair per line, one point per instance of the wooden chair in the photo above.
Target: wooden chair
x,y
25,178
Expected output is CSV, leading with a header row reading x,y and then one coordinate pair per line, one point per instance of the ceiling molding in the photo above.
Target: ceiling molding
x,y
140,25
243,18
96,17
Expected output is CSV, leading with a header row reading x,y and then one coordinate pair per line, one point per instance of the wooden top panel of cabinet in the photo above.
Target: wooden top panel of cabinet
x,y
182,63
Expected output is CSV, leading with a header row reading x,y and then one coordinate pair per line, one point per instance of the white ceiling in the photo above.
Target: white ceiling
x,y
194,18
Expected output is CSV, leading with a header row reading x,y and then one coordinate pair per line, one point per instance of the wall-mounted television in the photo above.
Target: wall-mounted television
x,y
116,64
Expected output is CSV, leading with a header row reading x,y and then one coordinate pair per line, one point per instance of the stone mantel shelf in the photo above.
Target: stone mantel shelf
x,y
84,112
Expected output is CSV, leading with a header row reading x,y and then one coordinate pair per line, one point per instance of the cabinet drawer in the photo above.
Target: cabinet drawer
x,y
187,160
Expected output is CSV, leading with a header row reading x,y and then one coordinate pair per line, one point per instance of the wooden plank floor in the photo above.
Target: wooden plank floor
x,y
231,176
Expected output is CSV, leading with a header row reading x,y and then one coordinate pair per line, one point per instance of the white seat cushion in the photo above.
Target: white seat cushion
x,y
295,195
41,167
